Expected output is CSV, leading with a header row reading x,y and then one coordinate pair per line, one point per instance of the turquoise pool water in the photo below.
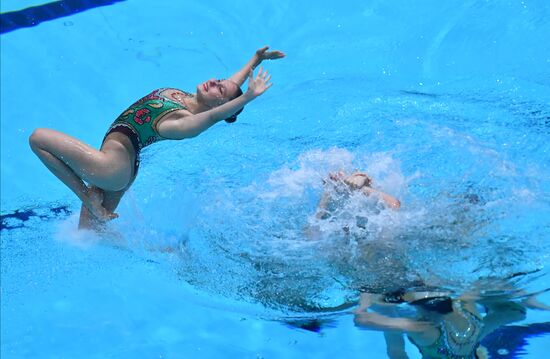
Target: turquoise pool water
x,y
446,105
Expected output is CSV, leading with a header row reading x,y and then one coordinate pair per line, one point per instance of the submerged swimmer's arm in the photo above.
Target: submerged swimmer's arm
x,y
182,124
322,211
391,201
381,322
313,232
262,54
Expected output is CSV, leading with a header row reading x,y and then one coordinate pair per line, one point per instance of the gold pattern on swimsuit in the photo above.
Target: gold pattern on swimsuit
x,y
155,105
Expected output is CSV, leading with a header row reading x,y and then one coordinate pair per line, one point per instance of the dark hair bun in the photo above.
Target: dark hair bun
x,y
234,117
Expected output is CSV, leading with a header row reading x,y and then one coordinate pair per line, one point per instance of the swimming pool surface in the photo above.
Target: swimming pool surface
x,y
446,105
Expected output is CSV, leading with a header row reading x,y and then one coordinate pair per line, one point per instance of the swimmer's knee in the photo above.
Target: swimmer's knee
x,y
37,137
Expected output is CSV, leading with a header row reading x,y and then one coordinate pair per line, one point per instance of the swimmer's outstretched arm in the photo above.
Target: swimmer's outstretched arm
x,y
385,323
262,54
179,125
368,319
391,201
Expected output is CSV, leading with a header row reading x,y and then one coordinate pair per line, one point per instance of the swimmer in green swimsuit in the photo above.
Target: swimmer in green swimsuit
x,y
100,178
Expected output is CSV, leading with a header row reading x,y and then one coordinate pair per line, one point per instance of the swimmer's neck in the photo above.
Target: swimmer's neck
x,y
195,106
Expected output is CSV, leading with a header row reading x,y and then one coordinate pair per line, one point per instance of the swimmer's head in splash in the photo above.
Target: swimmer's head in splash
x,y
356,180
214,93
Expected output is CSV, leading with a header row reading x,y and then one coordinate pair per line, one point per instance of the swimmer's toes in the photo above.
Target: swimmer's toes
x,y
108,216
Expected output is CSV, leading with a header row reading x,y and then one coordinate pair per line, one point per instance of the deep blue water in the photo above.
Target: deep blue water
x,y
447,106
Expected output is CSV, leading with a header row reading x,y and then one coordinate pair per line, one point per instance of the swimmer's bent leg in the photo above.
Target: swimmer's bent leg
x,y
73,162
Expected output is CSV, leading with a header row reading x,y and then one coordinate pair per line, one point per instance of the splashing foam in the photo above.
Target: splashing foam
x,y
281,254
69,233
312,167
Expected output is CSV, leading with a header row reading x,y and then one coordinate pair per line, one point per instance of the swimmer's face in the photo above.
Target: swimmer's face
x,y
214,92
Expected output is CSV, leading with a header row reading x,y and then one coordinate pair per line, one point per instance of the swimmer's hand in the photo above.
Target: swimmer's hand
x,y
94,204
258,85
263,54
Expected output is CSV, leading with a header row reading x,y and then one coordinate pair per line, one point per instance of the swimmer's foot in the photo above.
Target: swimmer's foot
x,y
95,205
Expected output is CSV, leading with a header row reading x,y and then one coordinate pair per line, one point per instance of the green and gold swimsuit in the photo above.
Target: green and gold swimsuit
x,y
139,121
452,341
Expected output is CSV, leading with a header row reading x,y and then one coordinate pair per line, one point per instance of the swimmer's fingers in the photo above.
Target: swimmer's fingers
x,y
265,76
260,52
263,54
259,84
259,75
265,79
273,55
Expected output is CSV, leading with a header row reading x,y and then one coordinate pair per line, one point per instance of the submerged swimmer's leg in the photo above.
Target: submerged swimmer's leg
x,y
74,162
